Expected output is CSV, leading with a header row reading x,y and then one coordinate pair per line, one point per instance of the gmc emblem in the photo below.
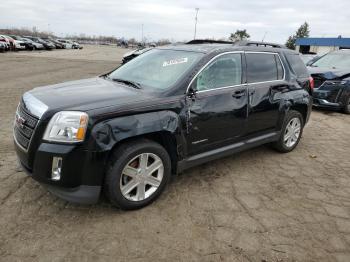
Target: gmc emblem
x,y
20,121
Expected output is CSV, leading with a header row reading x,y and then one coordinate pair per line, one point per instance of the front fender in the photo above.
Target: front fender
x,y
106,134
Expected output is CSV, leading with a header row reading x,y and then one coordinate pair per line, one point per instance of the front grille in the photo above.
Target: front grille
x,y
24,126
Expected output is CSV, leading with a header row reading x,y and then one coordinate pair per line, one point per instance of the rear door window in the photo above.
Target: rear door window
x,y
261,67
297,65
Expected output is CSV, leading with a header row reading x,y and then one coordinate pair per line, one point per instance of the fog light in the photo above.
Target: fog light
x,y
56,168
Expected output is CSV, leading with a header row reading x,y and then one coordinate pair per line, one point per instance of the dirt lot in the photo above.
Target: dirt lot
x,y
255,206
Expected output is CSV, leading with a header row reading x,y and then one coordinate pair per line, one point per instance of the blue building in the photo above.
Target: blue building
x,y
321,45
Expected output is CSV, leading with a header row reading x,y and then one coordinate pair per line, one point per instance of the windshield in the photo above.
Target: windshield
x,y
334,60
157,69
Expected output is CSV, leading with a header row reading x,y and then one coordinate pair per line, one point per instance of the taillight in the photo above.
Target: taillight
x,y
312,83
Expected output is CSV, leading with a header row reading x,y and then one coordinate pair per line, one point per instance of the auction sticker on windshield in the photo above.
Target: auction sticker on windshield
x,y
175,61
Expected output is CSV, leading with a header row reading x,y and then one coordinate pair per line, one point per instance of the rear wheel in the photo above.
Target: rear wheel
x,y
347,105
291,132
138,173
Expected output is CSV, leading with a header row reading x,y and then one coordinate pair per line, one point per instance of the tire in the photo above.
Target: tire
x,y
133,192
347,105
291,119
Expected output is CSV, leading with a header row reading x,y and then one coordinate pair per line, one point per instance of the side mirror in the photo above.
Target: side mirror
x,y
192,91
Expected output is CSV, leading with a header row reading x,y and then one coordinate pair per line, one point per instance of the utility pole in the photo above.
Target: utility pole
x,y
195,23
142,34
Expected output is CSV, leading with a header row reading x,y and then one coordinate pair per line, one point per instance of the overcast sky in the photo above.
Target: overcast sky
x,y
175,19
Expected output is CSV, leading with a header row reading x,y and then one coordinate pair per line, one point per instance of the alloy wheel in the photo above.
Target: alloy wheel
x,y
292,132
141,177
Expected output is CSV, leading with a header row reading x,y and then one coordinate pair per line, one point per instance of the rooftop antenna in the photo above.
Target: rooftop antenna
x,y
195,23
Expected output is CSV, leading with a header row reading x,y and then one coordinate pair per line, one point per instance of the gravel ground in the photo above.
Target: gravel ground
x,y
255,206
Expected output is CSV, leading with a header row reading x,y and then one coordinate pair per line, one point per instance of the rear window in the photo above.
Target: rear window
x,y
297,65
262,67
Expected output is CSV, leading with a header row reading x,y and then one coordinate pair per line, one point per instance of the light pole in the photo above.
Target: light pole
x,y
142,34
195,23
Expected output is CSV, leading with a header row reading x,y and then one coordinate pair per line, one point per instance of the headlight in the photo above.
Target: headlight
x,y
67,126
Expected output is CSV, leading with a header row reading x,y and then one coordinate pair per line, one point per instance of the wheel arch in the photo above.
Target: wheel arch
x,y
302,109
162,127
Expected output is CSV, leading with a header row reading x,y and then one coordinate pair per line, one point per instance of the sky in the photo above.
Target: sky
x,y
174,20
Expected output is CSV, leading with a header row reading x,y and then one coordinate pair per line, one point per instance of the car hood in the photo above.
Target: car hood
x,y
82,95
329,73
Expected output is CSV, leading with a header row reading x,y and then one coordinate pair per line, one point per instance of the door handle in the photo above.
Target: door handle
x,y
238,93
280,88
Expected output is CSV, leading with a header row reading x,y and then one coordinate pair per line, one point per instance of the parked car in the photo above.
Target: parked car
x,y
23,43
167,110
6,42
47,45
331,74
19,45
2,47
35,45
10,42
76,45
57,44
67,43
134,53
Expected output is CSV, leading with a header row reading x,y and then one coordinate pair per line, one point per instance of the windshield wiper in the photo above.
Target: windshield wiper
x,y
128,82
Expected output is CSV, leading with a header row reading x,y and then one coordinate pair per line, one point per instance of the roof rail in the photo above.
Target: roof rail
x,y
257,43
207,41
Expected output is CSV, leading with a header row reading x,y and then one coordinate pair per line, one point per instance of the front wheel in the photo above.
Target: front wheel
x,y
138,173
291,132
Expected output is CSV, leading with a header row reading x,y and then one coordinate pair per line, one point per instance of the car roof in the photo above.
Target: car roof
x,y
218,48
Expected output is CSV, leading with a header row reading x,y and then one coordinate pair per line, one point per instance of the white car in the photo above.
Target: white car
x,y
19,45
76,45
67,43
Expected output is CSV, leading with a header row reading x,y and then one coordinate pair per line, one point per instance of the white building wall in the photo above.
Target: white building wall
x,y
321,50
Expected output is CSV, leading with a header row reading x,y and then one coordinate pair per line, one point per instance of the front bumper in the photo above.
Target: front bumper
x,y
80,195
81,173
325,103
20,47
327,98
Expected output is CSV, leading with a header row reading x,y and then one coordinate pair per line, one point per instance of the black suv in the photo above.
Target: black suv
x,y
168,109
